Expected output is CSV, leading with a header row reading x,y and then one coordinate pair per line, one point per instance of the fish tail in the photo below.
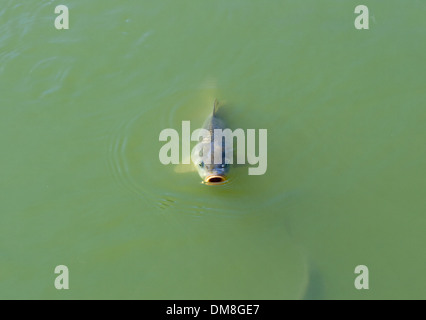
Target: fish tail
x,y
215,106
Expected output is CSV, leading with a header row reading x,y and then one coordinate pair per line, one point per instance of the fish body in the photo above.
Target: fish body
x,y
209,171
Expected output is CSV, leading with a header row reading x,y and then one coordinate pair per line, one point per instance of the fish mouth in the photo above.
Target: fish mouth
x,y
215,179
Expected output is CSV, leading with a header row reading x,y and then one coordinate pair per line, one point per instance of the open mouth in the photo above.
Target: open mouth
x,y
215,179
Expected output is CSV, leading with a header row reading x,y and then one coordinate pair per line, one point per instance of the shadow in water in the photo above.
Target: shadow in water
x,y
315,289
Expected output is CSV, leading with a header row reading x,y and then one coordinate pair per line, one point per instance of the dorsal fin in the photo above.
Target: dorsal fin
x,y
215,106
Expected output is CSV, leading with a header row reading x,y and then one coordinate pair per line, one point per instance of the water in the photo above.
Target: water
x,y
82,185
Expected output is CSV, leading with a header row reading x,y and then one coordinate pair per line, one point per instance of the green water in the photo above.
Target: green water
x,y
81,183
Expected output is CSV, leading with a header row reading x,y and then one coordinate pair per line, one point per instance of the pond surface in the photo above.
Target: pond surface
x,y
82,185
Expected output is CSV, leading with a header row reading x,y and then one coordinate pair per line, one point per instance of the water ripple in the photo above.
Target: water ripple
x,y
133,160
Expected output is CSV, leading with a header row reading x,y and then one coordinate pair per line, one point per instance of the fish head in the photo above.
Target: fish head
x,y
213,173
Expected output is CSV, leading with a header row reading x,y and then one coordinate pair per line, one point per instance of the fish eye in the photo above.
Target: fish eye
x,y
201,164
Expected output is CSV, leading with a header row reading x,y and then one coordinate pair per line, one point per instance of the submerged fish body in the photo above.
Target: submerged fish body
x,y
209,171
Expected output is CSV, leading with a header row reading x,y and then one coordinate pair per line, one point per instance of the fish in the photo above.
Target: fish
x,y
213,173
